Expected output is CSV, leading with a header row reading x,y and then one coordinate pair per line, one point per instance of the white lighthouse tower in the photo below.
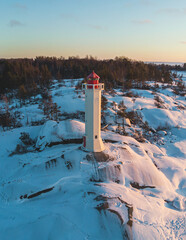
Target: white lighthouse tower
x,y
92,140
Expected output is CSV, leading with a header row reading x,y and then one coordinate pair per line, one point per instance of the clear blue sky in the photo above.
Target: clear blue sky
x,y
148,30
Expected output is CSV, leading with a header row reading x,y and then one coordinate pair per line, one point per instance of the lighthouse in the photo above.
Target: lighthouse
x,y
92,140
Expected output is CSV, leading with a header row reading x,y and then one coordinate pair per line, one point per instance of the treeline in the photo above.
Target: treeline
x,y
28,74
178,67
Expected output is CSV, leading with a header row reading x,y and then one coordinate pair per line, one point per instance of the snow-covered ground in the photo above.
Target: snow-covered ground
x,y
133,190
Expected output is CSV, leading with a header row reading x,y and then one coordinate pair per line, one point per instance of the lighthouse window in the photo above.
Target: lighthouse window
x,y
96,137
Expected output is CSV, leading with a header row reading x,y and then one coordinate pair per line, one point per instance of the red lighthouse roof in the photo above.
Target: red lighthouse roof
x,y
93,75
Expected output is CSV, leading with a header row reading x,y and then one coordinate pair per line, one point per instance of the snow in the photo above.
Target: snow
x,y
52,132
163,117
139,191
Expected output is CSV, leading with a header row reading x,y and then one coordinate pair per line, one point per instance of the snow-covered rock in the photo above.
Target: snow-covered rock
x,y
158,117
47,135
127,122
180,203
162,133
53,132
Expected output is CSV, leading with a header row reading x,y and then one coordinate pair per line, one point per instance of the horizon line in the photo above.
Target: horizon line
x,y
96,58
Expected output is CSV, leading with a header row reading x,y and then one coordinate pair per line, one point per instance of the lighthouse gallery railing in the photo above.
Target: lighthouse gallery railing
x,y
98,86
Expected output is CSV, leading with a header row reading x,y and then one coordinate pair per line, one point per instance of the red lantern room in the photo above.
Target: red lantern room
x,y
93,78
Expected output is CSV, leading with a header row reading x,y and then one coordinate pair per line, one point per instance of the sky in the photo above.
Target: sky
x,y
146,30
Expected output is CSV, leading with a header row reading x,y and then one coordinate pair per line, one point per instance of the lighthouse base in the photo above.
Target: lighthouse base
x,y
95,145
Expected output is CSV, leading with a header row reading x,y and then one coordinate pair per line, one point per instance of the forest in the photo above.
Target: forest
x,y
29,75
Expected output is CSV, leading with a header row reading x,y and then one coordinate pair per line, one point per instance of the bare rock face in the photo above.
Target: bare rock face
x,y
102,157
